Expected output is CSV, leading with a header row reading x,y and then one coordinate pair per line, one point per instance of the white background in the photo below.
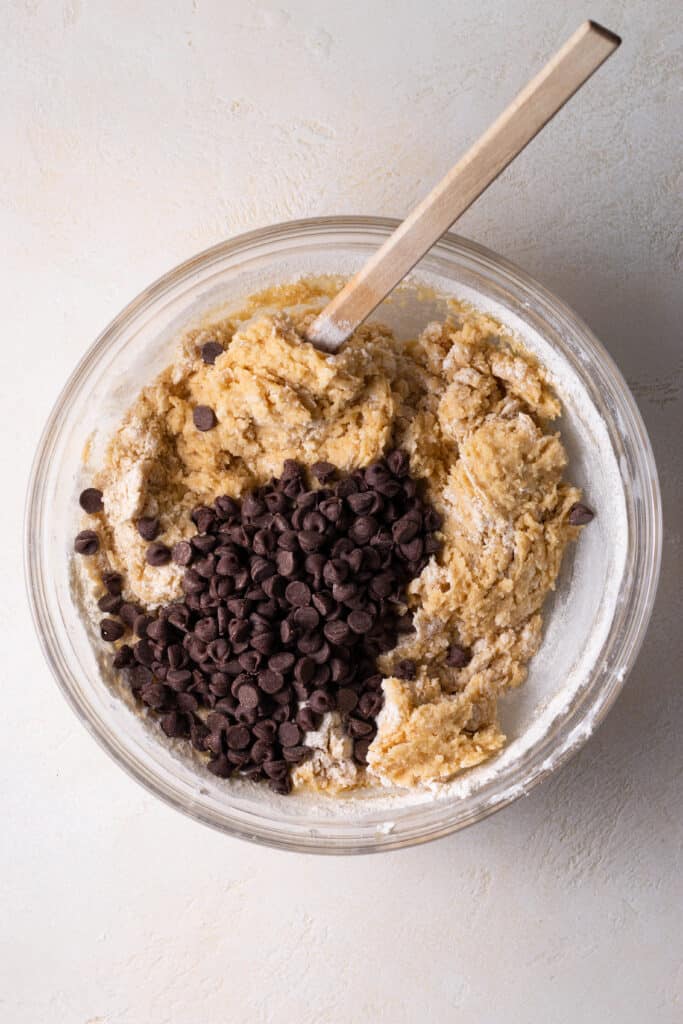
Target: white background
x,y
136,133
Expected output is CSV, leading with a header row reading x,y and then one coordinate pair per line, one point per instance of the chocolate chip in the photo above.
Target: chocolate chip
x,y
457,656
304,670
432,520
340,671
306,500
113,581
206,630
288,540
198,734
226,507
344,591
337,632
203,518
179,616
412,551
311,541
376,474
179,678
218,650
246,716
580,514
308,720
276,503
148,527
432,546
347,700
174,724
405,669
220,684
158,630
280,786
123,657
158,554
383,584
263,542
275,769
129,613
398,462
193,584
111,630
265,730
355,559
140,677
335,571
360,622
218,723
90,500
210,351
281,662
363,529
295,755
182,553
315,522
206,567
87,543
363,502
358,728
323,471
140,624
346,487
306,618
261,751
285,562
248,696
110,603
370,704
324,604
289,734
227,564
342,547
269,681
309,643
220,766
250,662
142,651
405,529
314,564
298,594
238,737
332,509
287,632
264,643
261,569
204,417
176,656
321,701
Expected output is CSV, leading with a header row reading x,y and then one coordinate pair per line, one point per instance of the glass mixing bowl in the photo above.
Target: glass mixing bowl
x,y
595,621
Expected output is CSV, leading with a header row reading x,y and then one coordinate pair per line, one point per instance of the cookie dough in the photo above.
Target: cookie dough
x,y
473,411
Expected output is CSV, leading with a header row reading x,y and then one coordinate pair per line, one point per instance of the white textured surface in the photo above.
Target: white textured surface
x,y
135,134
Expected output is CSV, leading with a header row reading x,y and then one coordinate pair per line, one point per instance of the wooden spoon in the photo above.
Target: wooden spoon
x,y
536,104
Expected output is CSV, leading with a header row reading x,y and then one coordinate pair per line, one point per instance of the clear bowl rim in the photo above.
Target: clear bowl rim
x,y
480,255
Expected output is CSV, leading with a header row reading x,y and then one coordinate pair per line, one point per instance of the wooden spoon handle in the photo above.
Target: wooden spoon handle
x,y
535,105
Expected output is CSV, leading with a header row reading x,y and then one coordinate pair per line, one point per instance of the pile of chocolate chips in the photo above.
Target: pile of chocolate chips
x,y
289,597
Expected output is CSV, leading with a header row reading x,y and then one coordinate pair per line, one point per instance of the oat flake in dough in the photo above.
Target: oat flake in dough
x,y
472,411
